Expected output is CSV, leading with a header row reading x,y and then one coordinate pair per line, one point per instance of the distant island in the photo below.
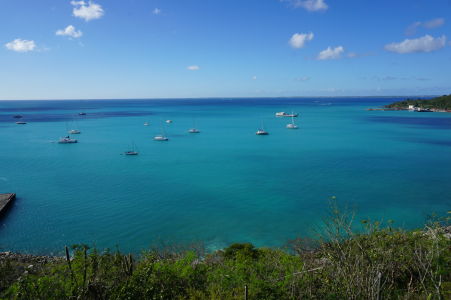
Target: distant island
x,y
438,104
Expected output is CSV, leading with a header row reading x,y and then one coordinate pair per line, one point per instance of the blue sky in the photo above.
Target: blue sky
x,y
58,49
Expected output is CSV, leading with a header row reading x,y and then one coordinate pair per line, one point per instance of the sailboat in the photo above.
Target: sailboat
x,y
72,131
261,131
162,136
194,129
292,125
133,151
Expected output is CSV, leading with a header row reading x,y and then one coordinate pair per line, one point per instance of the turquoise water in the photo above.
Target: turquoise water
x,y
222,185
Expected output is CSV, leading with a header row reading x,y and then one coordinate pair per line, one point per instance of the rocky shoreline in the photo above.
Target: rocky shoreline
x,y
13,266
29,258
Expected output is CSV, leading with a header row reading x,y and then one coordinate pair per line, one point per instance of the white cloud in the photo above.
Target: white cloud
x,y
20,45
254,77
69,31
310,5
298,40
412,29
330,53
87,11
156,11
426,43
193,68
434,23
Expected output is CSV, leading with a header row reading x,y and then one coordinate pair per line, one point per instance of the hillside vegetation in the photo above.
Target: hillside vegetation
x,y
379,262
438,103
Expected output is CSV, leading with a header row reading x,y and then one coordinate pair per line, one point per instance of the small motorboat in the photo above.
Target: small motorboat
x,y
74,131
284,114
82,114
21,123
146,123
67,140
168,121
160,138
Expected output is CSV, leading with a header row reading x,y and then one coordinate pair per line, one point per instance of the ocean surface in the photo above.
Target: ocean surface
x,y
223,185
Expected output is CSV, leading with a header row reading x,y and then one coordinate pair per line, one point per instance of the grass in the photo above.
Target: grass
x,y
375,262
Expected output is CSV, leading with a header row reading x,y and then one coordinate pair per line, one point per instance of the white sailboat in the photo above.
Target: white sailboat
x,y
194,129
161,137
262,131
73,131
292,125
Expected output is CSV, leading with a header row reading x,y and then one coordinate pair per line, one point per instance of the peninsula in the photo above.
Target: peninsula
x,y
437,104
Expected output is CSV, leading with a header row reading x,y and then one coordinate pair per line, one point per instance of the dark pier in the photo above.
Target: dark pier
x,y
5,200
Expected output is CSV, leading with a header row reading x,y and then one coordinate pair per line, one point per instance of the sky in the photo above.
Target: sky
x,y
62,49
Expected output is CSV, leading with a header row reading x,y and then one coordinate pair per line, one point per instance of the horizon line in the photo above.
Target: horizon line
x,y
201,98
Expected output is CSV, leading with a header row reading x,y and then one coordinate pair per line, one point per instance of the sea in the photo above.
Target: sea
x,y
220,186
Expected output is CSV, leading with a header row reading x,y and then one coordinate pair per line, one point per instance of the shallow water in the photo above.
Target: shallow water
x,y
222,185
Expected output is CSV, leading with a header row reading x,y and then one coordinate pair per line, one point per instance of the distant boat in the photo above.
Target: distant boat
x,y
424,110
17,116
284,114
82,114
67,140
168,121
161,137
194,129
146,123
133,151
72,131
262,131
21,122
292,125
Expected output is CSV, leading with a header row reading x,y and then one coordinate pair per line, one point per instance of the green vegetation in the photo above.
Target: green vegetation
x,y
439,103
378,262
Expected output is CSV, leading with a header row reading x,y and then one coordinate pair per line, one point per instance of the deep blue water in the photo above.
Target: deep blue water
x,y
221,186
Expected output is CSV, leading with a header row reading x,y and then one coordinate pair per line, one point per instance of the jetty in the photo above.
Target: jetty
x,y
5,200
